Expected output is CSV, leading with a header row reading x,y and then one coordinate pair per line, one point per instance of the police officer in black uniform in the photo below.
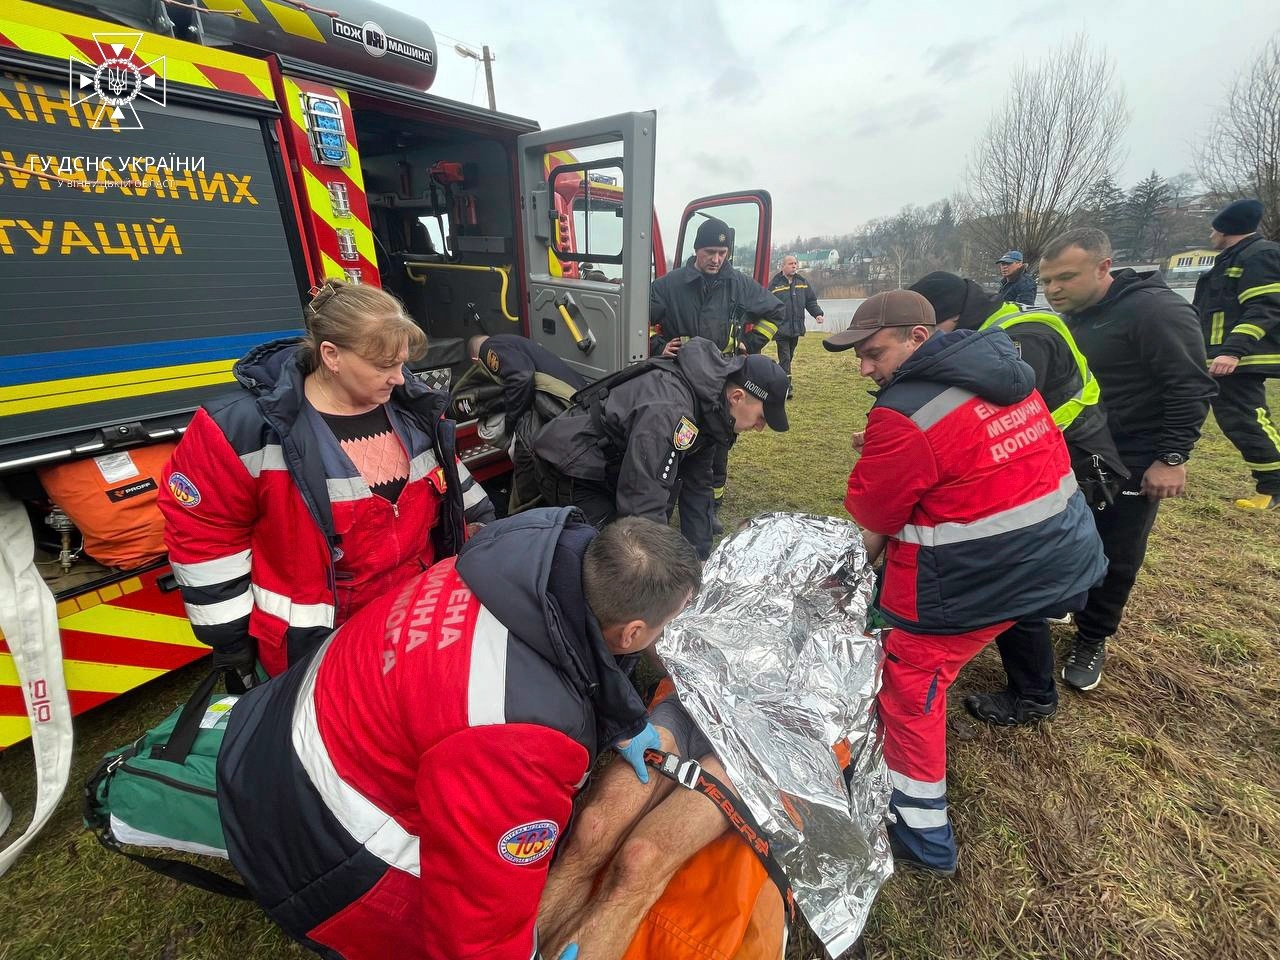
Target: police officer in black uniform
x,y
1239,305
627,439
515,361
708,298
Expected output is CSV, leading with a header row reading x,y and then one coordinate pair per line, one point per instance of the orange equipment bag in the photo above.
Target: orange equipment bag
x,y
112,500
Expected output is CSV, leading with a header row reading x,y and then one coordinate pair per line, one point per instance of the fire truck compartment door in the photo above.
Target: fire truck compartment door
x,y
749,217
586,198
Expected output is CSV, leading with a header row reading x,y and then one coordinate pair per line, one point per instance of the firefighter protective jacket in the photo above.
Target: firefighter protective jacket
x,y
965,471
797,296
274,536
400,794
646,432
687,303
1239,305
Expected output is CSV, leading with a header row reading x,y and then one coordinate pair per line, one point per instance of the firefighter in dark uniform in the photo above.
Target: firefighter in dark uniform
x,y
516,360
797,296
1073,396
627,439
1239,305
708,298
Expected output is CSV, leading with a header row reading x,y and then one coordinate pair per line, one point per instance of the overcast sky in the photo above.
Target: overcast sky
x,y
844,111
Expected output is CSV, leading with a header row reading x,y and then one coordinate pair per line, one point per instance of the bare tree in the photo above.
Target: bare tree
x,y
1058,133
1240,156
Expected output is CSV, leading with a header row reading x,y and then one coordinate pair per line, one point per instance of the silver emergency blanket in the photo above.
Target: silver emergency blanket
x,y
772,662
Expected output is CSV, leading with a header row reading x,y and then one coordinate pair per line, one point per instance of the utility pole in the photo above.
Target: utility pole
x,y
487,59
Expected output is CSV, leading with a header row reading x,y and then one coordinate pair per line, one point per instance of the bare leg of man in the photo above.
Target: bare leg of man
x,y
616,803
669,834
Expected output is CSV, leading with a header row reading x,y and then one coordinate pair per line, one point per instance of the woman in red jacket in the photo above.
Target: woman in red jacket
x,y
329,479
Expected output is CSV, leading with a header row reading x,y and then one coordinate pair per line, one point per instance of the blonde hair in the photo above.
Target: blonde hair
x,y
360,318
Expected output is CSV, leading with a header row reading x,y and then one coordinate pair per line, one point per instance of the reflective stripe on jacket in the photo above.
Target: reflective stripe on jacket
x,y
1238,300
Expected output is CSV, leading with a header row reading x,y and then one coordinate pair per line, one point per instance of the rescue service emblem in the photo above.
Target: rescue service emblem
x,y
491,360
686,433
529,842
184,491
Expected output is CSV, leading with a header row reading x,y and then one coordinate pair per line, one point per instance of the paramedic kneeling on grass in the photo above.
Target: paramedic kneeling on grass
x,y
399,794
966,477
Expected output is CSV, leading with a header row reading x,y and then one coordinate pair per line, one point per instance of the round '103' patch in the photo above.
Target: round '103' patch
x,y
183,490
529,842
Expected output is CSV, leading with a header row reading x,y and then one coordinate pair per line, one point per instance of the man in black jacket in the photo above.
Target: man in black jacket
x,y
1071,391
623,445
1239,305
516,361
708,298
1143,344
1016,285
797,296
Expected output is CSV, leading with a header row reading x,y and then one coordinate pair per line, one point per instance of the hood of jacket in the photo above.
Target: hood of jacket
x,y
983,362
527,570
705,370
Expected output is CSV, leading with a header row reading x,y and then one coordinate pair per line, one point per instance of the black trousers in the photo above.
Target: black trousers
x,y
1241,410
596,500
1124,527
786,350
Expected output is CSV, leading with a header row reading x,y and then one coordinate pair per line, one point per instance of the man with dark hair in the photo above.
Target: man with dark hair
x,y
965,484
621,448
1143,344
1067,385
400,793
1239,305
1016,284
709,298
797,296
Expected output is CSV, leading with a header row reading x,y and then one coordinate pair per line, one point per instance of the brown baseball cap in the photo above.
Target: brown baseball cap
x,y
893,308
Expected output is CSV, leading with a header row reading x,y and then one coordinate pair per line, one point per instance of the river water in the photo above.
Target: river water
x,y
838,313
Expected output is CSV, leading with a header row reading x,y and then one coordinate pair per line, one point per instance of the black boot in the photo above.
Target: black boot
x,y
1005,709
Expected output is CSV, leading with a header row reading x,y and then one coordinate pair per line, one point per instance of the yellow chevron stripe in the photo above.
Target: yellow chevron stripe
x,y
133,625
92,598
89,677
237,7
292,20
53,394
42,30
318,198
13,729
332,269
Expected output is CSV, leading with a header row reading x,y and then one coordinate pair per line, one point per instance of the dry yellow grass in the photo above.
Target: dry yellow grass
x,y
1142,823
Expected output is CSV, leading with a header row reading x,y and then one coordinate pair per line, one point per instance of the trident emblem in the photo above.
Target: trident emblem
x,y
116,80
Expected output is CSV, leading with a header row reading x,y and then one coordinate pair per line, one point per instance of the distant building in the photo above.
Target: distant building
x,y
1189,264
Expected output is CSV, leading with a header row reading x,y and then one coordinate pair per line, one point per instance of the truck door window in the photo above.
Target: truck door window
x,y
743,220
587,187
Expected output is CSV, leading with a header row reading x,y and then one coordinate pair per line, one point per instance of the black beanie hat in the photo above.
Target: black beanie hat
x,y
953,296
1239,218
712,233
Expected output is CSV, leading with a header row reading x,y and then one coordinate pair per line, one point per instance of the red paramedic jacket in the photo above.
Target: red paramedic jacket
x,y
273,535
401,794
965,471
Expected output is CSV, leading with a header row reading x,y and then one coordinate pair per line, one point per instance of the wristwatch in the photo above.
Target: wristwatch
x,y
1172,459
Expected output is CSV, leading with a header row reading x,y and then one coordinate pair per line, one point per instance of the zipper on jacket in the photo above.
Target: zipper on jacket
x,y
170,781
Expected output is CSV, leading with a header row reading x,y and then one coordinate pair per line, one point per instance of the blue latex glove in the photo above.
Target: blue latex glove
x,y
633,750
569,953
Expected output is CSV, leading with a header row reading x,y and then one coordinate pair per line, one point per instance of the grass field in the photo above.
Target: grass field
x,y
1143,822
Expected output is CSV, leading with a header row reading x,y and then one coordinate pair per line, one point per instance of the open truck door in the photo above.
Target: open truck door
x,y
749,216
586,201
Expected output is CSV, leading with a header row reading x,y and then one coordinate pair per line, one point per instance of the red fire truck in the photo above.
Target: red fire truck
x,y
176,176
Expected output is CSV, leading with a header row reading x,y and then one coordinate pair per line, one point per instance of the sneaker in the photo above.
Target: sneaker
x,y
1005,709
1083,669
1259,501
904,859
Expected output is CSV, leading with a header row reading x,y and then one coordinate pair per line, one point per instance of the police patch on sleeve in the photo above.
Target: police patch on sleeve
x,y
686,433
491,359
528,842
